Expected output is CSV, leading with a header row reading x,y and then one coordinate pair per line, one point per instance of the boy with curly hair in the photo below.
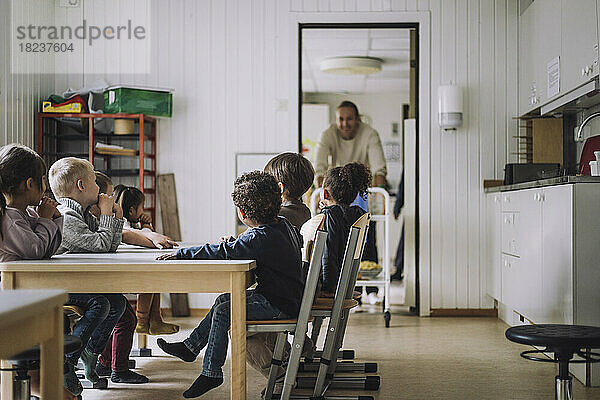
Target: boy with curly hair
x,y
275,245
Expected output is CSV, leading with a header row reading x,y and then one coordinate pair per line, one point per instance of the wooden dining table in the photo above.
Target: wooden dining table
x,y
29,318
136,270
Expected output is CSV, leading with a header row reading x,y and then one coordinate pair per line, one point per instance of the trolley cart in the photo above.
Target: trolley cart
x,y
386,219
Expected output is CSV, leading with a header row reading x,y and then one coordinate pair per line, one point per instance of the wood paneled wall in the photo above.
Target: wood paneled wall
x,y
228,61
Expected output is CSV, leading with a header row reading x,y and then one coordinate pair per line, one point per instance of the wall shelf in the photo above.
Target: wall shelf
x,y
60,133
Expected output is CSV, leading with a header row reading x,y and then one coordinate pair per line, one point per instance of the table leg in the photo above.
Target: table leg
x,y
6,382
142,348
6,377
51,361
238,335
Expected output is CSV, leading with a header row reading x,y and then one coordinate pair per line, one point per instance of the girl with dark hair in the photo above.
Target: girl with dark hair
x,y
150,321
31,225
341,186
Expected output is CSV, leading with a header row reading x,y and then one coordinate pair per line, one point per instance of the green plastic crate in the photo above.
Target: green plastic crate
x,y
131,100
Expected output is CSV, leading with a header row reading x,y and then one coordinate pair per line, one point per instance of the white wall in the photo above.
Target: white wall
x,y
228,62
20,94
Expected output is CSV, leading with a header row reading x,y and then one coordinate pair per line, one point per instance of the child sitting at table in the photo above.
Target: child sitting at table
x,y
138,237
275,245
28,233
74,184
150,321
30,224
113,362
340,188
294,175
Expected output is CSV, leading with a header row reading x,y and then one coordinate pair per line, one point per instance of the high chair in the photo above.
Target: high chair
x,y
313,251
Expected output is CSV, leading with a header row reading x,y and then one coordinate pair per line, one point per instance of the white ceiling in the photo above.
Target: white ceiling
x,y
391,45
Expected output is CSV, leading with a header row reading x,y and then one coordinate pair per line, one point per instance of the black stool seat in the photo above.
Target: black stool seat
x,y
562,340
554,336
72,344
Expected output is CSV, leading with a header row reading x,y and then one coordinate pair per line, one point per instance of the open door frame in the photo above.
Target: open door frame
x,y
421,21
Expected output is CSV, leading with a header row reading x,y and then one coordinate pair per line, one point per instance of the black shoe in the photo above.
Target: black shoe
x,y
127,377
103,371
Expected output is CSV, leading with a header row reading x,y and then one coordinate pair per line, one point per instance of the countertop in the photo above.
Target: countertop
x,y
561,180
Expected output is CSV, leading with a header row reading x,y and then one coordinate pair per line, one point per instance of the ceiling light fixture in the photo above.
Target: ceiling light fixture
x,y
351,65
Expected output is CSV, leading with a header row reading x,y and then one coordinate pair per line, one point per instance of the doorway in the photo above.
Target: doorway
x,y
387,101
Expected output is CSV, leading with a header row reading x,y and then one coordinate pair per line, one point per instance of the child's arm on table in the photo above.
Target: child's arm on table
x,y
238,249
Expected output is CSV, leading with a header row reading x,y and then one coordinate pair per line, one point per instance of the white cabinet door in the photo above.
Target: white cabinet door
x,y
493,246
547,20
579,61
529,243
510,231
512,284
557,255
526,68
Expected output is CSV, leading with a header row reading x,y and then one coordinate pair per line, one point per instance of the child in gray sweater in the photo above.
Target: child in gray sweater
x,y
74,184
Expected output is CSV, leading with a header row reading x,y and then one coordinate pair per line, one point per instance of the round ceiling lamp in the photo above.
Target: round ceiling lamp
x,y
351,65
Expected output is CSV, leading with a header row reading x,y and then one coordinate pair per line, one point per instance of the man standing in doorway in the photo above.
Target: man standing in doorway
x,y
350,140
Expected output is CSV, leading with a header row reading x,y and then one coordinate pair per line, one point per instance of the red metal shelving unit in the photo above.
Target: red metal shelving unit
x,y
146,132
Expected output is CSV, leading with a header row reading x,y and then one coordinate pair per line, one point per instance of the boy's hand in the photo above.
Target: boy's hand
x,y
226,239
146,221
168,256
161,241
106,204
47,208
118,210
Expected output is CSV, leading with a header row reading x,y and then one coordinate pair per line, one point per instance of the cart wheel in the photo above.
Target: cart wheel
x,y
387,316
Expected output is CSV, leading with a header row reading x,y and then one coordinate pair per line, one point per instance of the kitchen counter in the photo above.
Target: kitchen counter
x,y
561,180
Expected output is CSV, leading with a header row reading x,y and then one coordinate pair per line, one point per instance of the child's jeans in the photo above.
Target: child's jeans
x,y
212,330
102,312
117,349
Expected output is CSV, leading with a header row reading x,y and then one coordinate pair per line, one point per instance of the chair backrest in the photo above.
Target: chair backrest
x,y
350,263
309,233
318,239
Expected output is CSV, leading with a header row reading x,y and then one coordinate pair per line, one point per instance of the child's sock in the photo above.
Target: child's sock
x,y
201,385
177,349
89,360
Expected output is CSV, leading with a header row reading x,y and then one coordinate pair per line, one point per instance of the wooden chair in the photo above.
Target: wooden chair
x,y
313,252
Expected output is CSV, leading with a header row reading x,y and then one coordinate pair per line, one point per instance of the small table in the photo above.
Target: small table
x,y
136,271
28,318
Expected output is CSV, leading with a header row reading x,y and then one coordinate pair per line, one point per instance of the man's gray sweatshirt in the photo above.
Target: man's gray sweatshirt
x,y
83,233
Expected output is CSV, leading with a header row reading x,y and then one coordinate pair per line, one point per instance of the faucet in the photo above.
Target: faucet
x,y
584,123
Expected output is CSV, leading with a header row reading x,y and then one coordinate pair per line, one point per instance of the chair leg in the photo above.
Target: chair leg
x,y
338,345
331,340
316,328
275,364
293,364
